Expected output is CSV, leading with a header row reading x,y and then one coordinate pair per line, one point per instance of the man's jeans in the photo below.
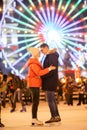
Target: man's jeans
x,y
50,97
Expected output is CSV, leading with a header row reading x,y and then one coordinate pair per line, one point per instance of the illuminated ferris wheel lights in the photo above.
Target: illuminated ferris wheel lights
x,y
52,8
20,54
30,8
41,8
62,7
54,36
56,22
18,31
20,8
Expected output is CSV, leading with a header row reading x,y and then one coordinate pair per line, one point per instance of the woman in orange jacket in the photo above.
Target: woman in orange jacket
x,y
34,81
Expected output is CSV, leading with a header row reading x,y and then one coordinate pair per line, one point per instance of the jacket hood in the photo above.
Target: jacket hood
x,y
34,61
53,51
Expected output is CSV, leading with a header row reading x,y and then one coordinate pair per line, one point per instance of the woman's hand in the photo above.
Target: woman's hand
x,y
52,68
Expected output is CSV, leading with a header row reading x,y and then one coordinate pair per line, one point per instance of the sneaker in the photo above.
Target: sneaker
x,y
53,119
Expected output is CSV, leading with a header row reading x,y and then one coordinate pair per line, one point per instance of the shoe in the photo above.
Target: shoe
x,y
53,119
12,110
23,110
36,122
57,119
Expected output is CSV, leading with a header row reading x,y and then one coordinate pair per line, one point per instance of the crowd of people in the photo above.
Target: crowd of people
x,y
41,77
13,88
69,87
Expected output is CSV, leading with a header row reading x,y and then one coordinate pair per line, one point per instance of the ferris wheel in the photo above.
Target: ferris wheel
x,y
26,23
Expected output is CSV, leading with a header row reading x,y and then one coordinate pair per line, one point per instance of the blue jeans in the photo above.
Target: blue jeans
x,y
50,97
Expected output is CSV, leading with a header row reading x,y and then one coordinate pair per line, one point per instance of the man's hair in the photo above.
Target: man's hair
x,y
44,45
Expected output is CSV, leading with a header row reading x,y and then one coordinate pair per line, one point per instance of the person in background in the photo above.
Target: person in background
x,y
3,89
85,84
16,89
4,93
35,82
81,90
50,81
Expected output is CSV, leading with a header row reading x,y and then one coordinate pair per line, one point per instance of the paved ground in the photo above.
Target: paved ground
x,y
73,118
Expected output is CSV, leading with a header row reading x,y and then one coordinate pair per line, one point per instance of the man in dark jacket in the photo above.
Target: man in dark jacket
x,y
50,81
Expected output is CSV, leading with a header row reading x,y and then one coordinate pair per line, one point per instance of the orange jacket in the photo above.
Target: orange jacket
x,y
34,73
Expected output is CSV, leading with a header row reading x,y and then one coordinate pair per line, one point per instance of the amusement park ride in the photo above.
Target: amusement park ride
x,y
60,23
26,23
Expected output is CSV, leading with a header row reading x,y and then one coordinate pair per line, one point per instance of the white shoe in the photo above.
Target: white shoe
x,y
36,122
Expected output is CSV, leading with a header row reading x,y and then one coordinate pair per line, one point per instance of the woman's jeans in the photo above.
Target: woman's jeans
x,y
35,92
50,97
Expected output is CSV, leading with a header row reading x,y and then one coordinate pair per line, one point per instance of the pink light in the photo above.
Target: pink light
x,y
75,23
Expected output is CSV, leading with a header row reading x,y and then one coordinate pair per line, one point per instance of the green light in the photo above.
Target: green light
x,y
79,12
74,7
60,3
66,6
24,16
28,10
19,21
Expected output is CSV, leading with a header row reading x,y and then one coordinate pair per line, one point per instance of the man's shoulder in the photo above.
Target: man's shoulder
x,y
53,55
